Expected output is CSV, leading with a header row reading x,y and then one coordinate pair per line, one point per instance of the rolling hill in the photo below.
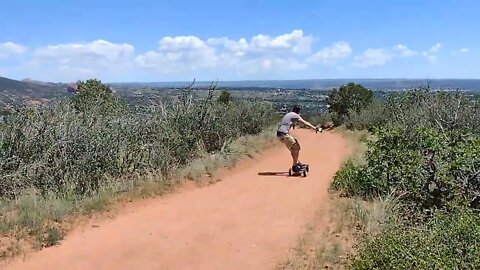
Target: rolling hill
x,y
13,92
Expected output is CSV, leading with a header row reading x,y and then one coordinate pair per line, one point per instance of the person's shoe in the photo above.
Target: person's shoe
x,y
296,168
301,165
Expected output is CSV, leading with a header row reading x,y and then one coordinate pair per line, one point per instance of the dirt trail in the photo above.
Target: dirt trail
x,y
246,221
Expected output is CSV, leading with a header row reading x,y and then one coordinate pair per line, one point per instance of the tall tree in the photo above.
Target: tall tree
x,y
349,97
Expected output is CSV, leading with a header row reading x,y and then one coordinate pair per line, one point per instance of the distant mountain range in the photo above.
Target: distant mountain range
x,y
13,92
30,91
323,84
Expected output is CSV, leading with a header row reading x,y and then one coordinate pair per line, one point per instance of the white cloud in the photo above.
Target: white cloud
x,y
174,57
431,55
180,57
8,49
262,53
333,53
372,57
73,61
435,48
266,65
96,52
431,58
294,42
404,51
378,57
181,43
176,54
464,50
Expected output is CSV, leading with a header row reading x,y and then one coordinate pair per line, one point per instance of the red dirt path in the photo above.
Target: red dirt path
x,y
246,221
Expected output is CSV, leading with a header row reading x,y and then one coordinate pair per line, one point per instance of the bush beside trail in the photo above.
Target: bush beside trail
x,y
75,145
349,98
447,241
425,152
425,167
427,149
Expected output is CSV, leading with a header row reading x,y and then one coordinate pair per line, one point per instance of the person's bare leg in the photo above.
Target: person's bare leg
x,y
295,154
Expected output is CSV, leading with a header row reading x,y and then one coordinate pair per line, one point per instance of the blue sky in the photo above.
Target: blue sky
x,y
150,40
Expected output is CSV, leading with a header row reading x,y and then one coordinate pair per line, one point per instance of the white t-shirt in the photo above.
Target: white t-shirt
x,y
287,121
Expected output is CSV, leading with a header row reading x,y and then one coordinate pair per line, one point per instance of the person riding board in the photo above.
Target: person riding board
x,y
286,138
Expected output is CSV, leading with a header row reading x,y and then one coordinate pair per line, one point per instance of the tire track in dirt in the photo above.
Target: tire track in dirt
x,y
245,221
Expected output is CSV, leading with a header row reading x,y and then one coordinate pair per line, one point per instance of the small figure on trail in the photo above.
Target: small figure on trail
x,y
291,142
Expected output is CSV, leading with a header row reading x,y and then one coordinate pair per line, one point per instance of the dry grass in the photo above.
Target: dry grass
x,y
246,146
10,248
357,142
325,242
330,240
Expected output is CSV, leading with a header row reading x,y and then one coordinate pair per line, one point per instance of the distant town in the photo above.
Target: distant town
x,y
283,94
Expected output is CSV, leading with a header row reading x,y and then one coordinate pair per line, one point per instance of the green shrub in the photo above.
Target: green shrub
x,y
422,108
426,152
349,179
52,237
427,148
429,168
349,97
74,146
96,98
418,108
225,97
370,118
447,241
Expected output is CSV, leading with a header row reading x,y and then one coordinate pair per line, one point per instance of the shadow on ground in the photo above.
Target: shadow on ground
x,y
273,173
280,174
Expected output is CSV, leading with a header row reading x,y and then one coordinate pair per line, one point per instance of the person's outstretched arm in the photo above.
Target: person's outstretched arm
x,y
308,124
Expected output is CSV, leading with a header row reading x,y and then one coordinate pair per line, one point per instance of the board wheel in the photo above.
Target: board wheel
x,y
307,168
289,172
304,173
